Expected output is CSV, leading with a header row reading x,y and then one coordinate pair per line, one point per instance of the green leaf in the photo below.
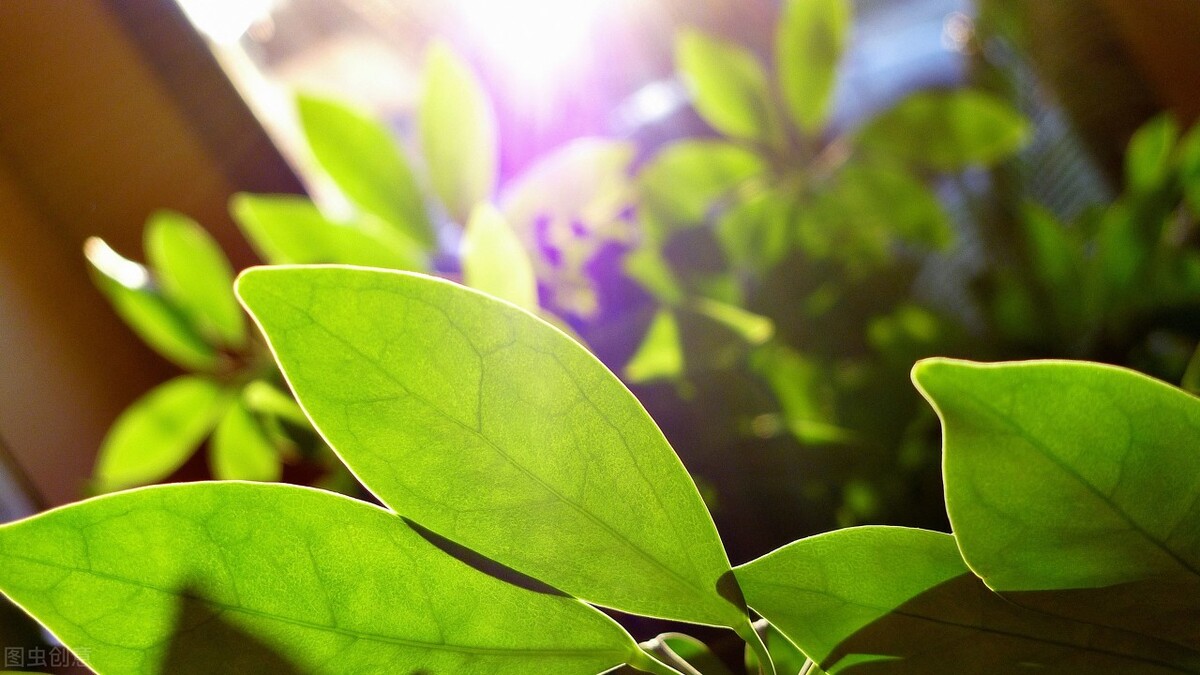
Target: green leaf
x,y
1189,168
684,182
157,321
241,449
490,427
948,131
494,260
647,266
1150,155
788,659
195,274
240,577
729,87
753,328
458,133
264,398
660,356
674,648
803,392
809,43
287,229
1067,475
896,601
756,233
363,160
157,434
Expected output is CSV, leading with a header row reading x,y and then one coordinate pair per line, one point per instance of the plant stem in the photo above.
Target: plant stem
x,y
746,631
646,663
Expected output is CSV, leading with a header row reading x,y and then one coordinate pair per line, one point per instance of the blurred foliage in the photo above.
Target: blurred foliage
x,y
777,258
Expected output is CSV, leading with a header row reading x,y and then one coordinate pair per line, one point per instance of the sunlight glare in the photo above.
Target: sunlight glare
x,y
536,42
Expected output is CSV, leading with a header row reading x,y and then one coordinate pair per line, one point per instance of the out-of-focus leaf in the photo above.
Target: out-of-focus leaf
x,y
262,397
1150,155
495,262
1189,168
257,578
803,392
907,331
555,469
286,229
458,133
809,43
585,181
157,434
363,160
195,274
660,356
896,601
241,450
153,317
647,266
757,233
684,182
729,87
1055,253
755,329
948,131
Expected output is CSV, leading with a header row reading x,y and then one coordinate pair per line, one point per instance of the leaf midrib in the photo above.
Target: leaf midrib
x,y
386,639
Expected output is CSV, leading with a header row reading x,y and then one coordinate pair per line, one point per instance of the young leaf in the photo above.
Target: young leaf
x,y
684,181
805,396
495,262
660,356
156,321
647,266
1067,475
948,131
753,328
458,134
1149,157
904,602
360,156
241,450
240,577
157,434
486,425
809,43
728,86
756,233
286,229
195,273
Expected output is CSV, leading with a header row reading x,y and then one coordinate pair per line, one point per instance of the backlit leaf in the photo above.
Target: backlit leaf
x,y
363,160
728,86
241,449
157,434
287,229
948,131
495,262
809,43
1148,158
157,321
258,578
488,426
458,133
896,601
1067,475
660,356
683,183
195,273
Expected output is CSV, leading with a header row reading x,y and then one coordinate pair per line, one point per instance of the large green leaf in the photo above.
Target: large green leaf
x,y
241,449
1067,475
895,601
458,134
155,319
684,182
287,229
810,39
490,427
495,262
948,131
157,434
239,577
729,87
195,273
361,157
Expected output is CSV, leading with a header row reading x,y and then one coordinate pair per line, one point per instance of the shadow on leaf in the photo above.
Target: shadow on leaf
x,y
206,642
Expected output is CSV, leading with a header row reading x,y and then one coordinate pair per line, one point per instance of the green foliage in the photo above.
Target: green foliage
x,y
811,38
458,134
495,262
527,476
729,88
